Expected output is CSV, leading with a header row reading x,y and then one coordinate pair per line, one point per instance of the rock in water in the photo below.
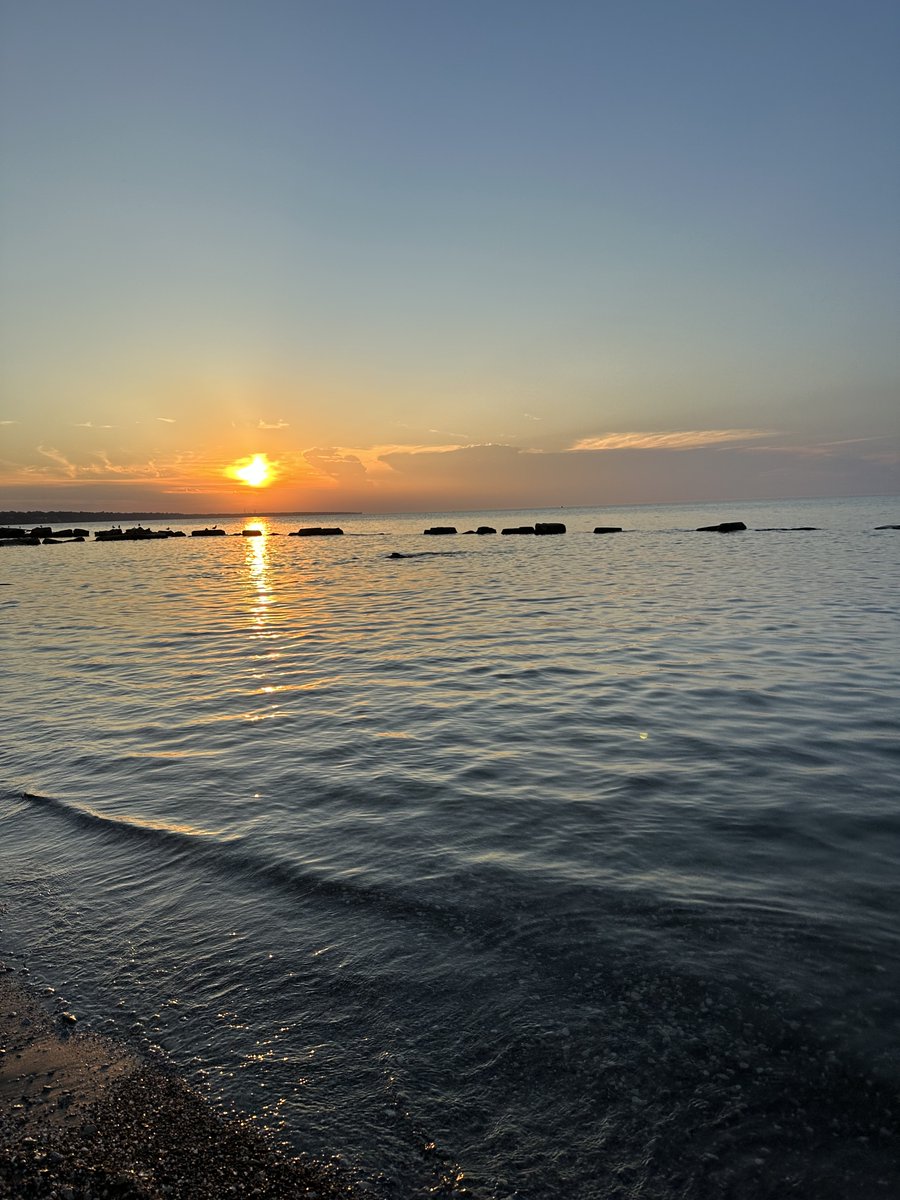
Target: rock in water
x,y
318,531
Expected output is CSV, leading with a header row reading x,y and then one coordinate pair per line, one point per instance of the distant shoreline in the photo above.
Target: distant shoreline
x,y
37,517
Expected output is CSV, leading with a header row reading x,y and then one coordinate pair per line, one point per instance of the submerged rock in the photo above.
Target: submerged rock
x,y
441,530
608,529
544,528
519,529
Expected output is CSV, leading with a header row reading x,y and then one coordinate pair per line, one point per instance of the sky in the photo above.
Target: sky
x,y
445,254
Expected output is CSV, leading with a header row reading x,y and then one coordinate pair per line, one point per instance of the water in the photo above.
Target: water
x,y
540,867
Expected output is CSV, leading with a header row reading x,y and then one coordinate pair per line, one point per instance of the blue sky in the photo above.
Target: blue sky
x,y
404,249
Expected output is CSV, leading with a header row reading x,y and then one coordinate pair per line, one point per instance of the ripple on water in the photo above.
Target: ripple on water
x,y
574,862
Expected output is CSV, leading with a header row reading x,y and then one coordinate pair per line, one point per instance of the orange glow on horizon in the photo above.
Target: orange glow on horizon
x,y
255,472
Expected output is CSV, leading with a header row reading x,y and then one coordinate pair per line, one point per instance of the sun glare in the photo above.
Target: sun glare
x,y
255,472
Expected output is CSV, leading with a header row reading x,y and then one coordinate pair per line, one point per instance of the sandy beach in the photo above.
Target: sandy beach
x,y
84,1118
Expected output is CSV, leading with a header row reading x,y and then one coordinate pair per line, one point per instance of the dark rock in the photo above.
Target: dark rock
x,y
251,533
139,534
723,527
20,541
42,531
788,529
440,530
83,533
887,526
317,531
543,528
485,529
215,532
519,529
608,529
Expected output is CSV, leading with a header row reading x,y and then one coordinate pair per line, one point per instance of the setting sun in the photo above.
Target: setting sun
x,y
255,472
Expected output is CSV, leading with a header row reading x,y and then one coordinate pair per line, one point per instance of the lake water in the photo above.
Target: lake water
x,y
538,867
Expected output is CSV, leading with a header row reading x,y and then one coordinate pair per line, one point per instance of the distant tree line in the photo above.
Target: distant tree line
x,y
68,517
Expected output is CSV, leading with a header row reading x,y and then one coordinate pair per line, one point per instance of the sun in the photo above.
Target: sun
x,y
256,472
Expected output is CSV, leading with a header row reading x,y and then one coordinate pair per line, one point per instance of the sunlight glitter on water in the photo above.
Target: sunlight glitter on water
x,y
574,858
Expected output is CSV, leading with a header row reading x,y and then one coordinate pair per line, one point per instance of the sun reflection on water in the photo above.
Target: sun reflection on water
x,y
257,560
261,599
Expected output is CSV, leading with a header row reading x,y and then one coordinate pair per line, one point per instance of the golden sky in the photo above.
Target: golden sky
x,y
430,257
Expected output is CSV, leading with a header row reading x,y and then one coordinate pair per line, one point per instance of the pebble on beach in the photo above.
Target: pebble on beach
x,y
82,1118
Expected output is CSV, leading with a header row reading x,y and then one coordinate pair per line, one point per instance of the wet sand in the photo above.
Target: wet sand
x,y
83,1118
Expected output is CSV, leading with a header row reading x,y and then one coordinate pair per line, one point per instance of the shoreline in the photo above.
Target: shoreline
x,y
83,1117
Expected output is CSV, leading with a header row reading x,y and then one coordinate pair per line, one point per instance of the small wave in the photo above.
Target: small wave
x,y
135,826
230,855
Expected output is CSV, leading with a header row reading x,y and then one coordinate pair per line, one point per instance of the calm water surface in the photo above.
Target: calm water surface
x,y
537,867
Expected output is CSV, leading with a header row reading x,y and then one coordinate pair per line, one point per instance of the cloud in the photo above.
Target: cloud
x,y
9,422
166,420
687,439
336,464
99,467
57,456
90,425
279,424
844,448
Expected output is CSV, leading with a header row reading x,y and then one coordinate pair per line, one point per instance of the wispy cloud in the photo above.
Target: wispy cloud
x,y
279,424
166,420
866,449
100,466
444,433
90,425
683,439
9,422
69,468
